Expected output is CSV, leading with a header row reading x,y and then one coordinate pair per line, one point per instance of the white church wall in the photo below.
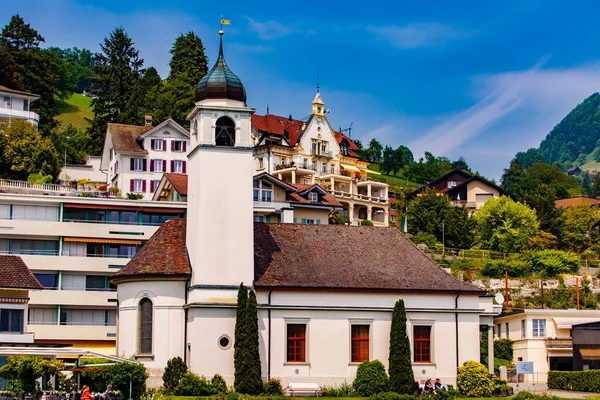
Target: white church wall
x,y
168,298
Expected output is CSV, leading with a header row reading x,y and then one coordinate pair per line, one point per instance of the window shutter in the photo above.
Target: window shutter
x,y
295,220
131,185
318,222
184,146
152,144
164,168
172,165
144,165
303,220
144,186
268,218
152,186
172,145
151,165
183,166
132,161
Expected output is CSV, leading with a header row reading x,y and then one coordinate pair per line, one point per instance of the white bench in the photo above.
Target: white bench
x,y
304,388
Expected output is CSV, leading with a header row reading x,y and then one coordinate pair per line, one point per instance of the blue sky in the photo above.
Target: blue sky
x,y
478,79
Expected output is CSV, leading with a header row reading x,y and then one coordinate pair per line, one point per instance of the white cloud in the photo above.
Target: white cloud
x,y
269,30
417,35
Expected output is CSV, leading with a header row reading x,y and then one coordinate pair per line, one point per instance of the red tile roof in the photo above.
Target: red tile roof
x,y
326,199
179,182
311,257
124,137
575,202
14,274
163,255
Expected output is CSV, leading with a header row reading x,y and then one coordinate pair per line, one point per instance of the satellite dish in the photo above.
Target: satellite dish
x,y
499,299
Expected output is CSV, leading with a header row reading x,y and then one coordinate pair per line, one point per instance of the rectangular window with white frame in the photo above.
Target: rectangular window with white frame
x,y
422,344
178,166
138,164
158,144
157,165
138,185
313,197
539,328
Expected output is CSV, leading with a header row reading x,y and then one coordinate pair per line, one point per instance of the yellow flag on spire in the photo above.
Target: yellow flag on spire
x,y
225,22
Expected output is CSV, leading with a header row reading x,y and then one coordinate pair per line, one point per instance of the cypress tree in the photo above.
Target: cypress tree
x,y
400,367
254,384
239,343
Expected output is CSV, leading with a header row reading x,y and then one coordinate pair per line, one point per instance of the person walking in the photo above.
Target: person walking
x,y
85,393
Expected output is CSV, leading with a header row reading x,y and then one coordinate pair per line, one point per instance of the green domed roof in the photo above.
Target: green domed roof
x,y
220,82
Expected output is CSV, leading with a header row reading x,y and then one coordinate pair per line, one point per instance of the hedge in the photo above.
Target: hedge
x,y
580,381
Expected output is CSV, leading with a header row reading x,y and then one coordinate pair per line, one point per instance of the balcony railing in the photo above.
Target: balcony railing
x,y
31,252
363,197
284,166
28,115
51,187
321,153
559,343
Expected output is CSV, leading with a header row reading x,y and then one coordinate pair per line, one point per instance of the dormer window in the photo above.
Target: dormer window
x,y
344,150
263,191
313,197
451,184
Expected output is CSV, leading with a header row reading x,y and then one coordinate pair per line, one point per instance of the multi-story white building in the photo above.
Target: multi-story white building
x,y
16,104
135,157
72,245
309,152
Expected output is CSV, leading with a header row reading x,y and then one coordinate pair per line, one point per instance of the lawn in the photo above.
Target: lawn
x,y
74,110
393,180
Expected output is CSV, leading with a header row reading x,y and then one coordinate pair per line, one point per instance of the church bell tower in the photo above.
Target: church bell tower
x,y
220,236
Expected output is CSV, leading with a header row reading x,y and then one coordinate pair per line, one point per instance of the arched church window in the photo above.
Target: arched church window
x,y
225,132
145,326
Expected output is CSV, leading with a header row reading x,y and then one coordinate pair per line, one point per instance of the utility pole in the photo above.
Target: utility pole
x,y
506,290
577,286
542,287
443,240
65,167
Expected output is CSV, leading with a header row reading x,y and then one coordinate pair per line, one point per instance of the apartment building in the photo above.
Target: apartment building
x,y
72,245
16,104
311,152
135,157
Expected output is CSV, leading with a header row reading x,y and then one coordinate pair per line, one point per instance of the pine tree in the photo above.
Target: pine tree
x,y
239,341
513,177
188,62
400,366
253,378
117,70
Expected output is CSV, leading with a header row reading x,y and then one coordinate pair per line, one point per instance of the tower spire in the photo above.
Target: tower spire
x,y
318,80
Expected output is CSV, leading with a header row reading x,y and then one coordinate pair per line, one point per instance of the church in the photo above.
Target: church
x,y
325,292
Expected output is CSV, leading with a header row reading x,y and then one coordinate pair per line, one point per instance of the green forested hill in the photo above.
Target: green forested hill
x,y
574,141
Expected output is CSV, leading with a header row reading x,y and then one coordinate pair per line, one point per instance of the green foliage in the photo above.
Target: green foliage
x,y
550,263
496,268
524,395
39,178
391,396
135,196
273,387
580,381
252,382
578,234
22,372
394,160
428,239
173,373
116,71
483,347
118,375
239,341
400,363
370,378
188,61
513,177
218,384
505,225
79,64
342,390
503,349
366,222
428,169
473,380
193,385
427,212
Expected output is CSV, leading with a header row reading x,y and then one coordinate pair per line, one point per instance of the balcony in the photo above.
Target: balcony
x,y
74,298
74,264
73,332
559,343
359,197
316,152
16,337
26,115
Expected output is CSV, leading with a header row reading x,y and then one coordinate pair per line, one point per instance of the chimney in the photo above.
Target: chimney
x,y
148,120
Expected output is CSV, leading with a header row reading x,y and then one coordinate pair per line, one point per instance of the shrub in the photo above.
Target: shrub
x,y
473,380
400,364
582,381
343,390
218,384
524,395
391,396
426,238
366,222
273,387
23,372
174,371
503,348
496,268
118,376
370,378
550,263
193,385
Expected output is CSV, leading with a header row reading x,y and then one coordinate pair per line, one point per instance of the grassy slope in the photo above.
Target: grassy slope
x,y
590,164
394,180
74,111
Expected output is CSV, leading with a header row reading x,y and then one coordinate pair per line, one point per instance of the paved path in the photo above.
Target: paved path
x,y
543,388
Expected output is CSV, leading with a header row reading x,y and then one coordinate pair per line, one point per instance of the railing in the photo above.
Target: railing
x,y
31,252
34,185
559,343
67,253
283,166
321,153
136,223
362,197
29,115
